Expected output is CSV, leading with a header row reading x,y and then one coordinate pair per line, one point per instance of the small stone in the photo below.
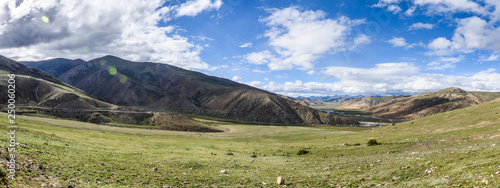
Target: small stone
x,y
155,169
223,172
485,181
280,180
497,173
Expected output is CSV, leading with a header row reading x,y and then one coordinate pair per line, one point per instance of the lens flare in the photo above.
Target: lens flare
x,y
45,19
112,70
123,79
86,49
102,62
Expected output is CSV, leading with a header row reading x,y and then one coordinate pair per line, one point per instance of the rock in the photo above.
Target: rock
x,y
155,169
280,180
485,181
223,172
497,173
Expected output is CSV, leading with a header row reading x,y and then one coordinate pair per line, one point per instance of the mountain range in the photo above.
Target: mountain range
x,y
166,88
430,103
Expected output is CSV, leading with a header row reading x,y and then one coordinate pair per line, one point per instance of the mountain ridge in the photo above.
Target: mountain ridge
x,y
430,103
168,88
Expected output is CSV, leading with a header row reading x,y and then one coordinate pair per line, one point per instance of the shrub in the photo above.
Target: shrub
x,y
254,155
302,152
230,153
373,142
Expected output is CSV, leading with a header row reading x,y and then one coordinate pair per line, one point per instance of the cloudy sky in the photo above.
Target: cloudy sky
x,y
292,47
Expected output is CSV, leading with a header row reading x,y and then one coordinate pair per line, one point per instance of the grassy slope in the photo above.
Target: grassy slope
x,y
459,144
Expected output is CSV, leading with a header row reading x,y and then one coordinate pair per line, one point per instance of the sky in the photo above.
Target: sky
x,y
290,47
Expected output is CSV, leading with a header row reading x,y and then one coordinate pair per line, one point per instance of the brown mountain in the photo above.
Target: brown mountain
x,y
164,87
365,102
38,88
303,101
426,104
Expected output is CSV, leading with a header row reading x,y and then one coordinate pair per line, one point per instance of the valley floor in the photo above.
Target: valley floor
x,y
443,150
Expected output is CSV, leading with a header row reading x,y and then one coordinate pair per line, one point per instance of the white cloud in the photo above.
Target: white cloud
x,y
236,78
386,78
90,29
194,7
394,8
398,42
410,11
255,84
360,40
492,57
311,72
259,58
445,63
471,34
440,43
299,38
259,71
246,45
420,25
451,6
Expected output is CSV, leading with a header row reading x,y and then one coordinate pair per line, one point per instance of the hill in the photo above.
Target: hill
x,y
430,103
364,102
38,88
163,87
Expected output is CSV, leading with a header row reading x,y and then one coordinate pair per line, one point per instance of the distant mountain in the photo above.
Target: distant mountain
x,y
164,87
56,66
303,101
426,104
365,102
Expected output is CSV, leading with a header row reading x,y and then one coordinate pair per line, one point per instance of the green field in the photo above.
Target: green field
x,y
457,148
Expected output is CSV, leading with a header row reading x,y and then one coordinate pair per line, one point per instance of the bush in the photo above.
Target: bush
x,y
254,155
373,142
230,153
302,152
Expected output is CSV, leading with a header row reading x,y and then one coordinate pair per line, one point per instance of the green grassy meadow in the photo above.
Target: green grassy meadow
x,y
457,148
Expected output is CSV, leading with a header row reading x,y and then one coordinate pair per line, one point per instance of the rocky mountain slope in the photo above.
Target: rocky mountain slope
x,y
40,91
54,66
38,88
426,104
365,102
164,87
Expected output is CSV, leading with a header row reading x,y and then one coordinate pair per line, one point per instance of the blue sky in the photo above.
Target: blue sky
x,y
296,48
